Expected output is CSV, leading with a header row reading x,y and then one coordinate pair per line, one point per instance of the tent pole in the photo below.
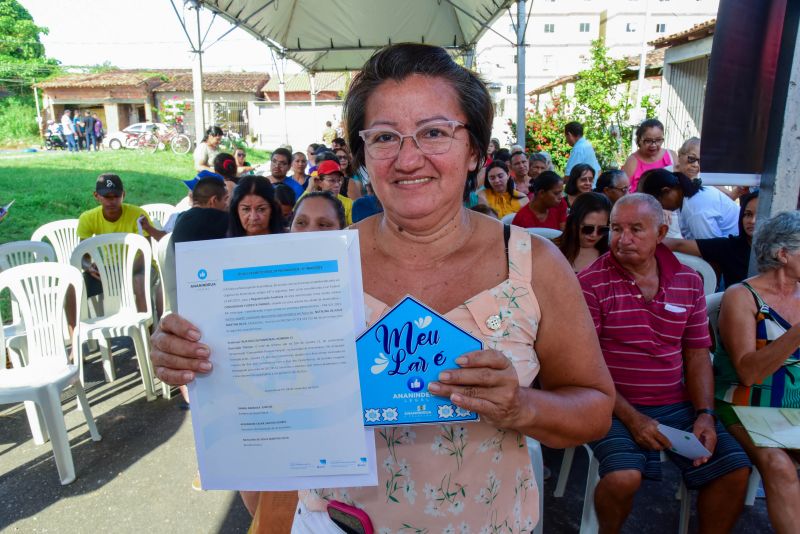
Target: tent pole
x,y
521,24
197,83
312,79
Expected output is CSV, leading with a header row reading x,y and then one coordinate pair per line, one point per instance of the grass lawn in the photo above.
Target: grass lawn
x,y
49,186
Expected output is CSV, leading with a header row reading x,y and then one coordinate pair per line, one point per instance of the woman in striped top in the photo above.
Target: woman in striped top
x,y
758,361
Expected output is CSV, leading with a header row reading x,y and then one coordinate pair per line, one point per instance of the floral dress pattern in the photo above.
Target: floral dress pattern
x,y
468,477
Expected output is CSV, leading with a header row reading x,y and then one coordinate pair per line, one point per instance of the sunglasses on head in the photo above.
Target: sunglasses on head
x,y
589,229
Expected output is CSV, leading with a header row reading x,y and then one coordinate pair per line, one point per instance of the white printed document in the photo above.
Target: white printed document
x,y
282,408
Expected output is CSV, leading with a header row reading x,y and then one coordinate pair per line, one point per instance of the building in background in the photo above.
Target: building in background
x,y
683,91
559,36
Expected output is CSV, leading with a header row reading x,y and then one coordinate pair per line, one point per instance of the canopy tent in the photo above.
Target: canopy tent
x,y
342,35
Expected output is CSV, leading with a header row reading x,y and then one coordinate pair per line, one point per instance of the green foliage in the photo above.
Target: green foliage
x,y
22,54
17,121
650,105
545,132
52,186
601,102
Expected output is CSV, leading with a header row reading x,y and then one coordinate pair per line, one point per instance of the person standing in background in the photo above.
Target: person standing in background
x,y
99,133
329,133
582,150
91,138
69,131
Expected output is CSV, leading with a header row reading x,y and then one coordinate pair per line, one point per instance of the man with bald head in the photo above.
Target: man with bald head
x,y
650,316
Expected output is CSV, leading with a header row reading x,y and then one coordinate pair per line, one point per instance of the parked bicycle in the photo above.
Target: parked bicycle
x,y
231,140
155,139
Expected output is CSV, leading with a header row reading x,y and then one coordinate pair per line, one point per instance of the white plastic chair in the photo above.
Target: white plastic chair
x,y
40,291
535,452
159,213
508,218
62,235
702,267
115,255
589,524
547,233
20,253
165,252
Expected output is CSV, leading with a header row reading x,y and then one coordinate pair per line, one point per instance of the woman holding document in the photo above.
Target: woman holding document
x,y
419,123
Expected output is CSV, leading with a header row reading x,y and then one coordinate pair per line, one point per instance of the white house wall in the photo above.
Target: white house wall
x,y
304,123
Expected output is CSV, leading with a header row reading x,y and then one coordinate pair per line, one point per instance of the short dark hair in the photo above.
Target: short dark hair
x,y
607,179
339,141
501,154
546,180
327,195
523,154
285,195
254,185
571,187
283,152
649,123
213,131
398,62
486,210
206,189
574,128
225,165
585,204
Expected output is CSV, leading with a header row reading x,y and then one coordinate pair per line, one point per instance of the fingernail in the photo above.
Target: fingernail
x,y
188,377
433,386
461,360
444,376
202,351
205,366
194,335
456,398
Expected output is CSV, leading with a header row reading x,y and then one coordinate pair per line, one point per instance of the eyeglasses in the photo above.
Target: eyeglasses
x,y
692,159
331,180
280,163
431,139
623,190
343,158
657,142
589,229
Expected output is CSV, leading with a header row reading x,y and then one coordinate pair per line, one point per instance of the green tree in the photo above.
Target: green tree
x,y
602,102
22,55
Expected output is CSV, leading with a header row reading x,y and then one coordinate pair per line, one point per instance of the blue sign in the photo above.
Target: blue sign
x,y
399,356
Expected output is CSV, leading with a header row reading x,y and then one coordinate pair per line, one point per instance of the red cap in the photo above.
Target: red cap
x,y
328,167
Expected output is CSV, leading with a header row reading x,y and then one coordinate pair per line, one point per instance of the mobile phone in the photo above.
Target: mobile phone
x,y
349,518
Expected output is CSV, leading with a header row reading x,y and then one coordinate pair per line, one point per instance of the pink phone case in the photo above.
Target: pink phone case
x,y
357,513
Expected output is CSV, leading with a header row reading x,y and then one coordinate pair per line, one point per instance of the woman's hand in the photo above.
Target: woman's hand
x,y
485,383
177,354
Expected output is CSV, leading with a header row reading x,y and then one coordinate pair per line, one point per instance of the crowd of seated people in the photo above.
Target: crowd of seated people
x,y
614,228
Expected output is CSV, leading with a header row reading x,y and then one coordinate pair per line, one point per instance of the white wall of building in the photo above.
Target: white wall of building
x,y
575,24
304,123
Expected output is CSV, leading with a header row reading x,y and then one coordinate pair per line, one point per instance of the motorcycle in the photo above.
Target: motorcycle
x,y
54,142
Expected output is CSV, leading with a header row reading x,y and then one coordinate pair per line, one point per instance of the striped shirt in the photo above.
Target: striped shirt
x,y
643,342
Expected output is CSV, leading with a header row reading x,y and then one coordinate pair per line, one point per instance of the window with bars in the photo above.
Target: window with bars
x,y
549,28
584,27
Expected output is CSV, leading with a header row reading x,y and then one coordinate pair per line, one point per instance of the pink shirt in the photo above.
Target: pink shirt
x,y
643,342
642,167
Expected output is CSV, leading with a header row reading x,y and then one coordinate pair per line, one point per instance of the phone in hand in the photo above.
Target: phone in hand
x,y
350,519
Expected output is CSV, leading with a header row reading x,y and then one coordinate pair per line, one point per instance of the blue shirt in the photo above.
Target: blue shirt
x,y
294,184
583,152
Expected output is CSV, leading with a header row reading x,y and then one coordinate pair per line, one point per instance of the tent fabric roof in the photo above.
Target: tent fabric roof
x,y
342,35
299,83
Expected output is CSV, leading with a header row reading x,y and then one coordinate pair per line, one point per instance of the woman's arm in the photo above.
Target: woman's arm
x,y
577,397
353,189
737,326
686,246
630,166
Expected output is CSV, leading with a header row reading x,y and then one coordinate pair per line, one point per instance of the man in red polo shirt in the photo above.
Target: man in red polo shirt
x,y
650,316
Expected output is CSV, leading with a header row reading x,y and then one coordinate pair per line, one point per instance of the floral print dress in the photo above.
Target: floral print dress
x,y
465,477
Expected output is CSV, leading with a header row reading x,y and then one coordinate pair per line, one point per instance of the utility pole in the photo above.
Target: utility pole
x,y
197,81
521,24
642,69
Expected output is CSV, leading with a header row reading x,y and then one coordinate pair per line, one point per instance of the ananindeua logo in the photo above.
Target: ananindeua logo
x,y
202,274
